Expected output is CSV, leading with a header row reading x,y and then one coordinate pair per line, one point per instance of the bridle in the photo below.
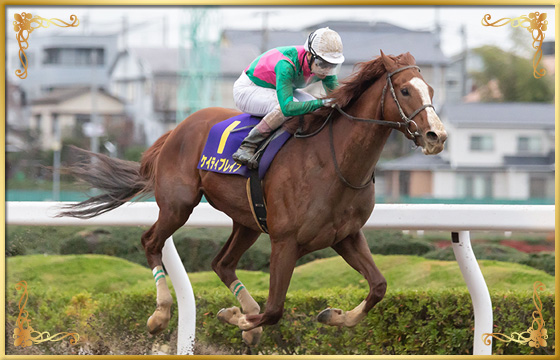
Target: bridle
x,y
405,123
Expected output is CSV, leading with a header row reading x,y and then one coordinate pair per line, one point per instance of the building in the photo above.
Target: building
x,y
70,112
63,61
496,152
146,78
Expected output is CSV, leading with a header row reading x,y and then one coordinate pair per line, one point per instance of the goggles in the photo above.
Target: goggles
x,y
324,68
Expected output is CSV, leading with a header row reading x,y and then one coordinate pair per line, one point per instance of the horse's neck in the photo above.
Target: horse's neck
x,y
359,144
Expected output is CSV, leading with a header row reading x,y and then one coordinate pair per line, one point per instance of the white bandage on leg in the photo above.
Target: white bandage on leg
x,y
158,273
248,304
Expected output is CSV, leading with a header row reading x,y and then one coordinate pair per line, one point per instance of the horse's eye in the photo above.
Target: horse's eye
x,y
405,92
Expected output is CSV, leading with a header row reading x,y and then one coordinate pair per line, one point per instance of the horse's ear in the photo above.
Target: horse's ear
x,y
390,64
409,59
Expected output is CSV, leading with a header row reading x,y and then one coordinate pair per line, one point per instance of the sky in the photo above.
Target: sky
x,y
149,24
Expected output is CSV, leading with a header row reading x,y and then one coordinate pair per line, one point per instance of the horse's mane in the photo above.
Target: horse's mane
x,y
350,89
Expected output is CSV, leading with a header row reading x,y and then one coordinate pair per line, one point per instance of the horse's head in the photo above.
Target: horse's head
x,y
408,98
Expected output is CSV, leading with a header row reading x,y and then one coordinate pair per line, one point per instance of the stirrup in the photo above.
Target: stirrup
x,y
242,153
253,162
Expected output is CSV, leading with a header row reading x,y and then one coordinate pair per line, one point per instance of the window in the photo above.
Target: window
x,y
474,186
404,183
482,143
529,144
74,56
52,56
541,186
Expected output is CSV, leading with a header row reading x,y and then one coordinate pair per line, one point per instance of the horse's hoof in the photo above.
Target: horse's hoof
x,y
252,337
155,327
229,315
330,316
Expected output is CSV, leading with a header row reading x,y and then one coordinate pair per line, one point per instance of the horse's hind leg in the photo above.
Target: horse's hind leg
x,y
355,251
224,264
171,217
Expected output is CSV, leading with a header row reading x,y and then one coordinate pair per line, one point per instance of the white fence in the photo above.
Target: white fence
x,y
458,219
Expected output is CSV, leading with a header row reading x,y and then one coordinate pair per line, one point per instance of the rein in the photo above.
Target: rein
x,y
406,122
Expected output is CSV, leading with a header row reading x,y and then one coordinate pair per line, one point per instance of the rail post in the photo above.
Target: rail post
x,y
480,297
185,298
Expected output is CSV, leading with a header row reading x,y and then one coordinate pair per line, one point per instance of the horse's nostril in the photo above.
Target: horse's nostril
x,y
431,136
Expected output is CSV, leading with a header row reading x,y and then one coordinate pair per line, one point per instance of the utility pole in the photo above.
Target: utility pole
x,y
438,75
95,127
464,68
57,146
265,31
125,31
165,30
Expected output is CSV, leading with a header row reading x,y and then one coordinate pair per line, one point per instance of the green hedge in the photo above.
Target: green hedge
x,y
403,323
197,247
408,323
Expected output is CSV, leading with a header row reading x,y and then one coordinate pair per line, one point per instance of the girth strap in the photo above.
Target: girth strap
x,y
256,199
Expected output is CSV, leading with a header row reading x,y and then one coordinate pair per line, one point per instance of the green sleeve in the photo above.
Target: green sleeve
x,y
330,83
285,75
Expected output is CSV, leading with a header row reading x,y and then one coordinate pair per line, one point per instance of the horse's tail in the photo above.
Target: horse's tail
x,y
119,181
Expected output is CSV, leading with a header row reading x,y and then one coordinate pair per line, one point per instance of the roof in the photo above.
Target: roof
x,y
234,60
160,59
363,46
415,161
165,61
234,38
362,40
347,25
500,115
535,160
57,96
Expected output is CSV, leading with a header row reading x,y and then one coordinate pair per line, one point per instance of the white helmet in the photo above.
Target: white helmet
x,y
325,44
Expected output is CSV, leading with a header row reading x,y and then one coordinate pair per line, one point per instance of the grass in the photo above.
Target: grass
x,y
416,273
76,273
99,273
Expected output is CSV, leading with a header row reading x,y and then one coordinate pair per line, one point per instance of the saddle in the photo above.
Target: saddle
x,y
224,139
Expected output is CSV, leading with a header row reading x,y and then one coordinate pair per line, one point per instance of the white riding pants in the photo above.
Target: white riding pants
x,y
257,100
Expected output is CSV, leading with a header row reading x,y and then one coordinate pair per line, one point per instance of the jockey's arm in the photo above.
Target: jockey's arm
x,y
285,74
330,83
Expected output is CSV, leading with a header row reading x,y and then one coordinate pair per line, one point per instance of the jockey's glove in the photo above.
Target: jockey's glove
x,y
328,102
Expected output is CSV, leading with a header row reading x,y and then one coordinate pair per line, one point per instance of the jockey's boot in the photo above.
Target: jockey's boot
x,y
248,147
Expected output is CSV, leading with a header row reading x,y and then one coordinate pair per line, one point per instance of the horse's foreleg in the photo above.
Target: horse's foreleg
x,y
355,251
224,265
283,257
153,241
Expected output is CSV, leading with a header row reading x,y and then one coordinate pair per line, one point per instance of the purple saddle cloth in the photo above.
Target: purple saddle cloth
x,y
224,139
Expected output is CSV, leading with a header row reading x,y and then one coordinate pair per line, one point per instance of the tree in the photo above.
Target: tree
x,y
513,74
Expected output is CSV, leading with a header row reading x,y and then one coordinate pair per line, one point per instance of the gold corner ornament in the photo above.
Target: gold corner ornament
x,y
536,24
24,25
24,334
535,336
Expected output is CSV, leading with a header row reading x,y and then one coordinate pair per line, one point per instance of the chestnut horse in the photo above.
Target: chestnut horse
x,y
318,190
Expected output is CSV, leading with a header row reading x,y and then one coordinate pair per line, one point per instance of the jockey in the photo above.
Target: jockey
x,y
270,85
